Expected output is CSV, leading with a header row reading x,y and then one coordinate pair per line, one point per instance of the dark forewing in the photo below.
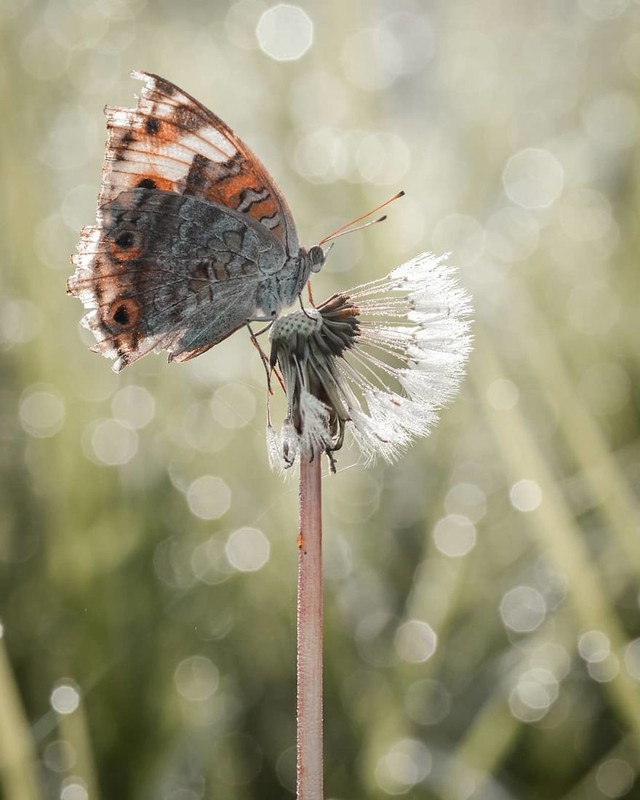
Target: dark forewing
x,y
172,142
162,271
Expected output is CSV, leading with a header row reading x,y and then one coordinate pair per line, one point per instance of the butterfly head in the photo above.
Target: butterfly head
x,y
309,261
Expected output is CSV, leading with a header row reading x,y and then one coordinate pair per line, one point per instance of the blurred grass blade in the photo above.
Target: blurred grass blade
x,y
18,760
556,530
483,748
599,469
622,762
75,730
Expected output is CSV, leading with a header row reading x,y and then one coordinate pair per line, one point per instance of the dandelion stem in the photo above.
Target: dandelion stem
x,y
309,629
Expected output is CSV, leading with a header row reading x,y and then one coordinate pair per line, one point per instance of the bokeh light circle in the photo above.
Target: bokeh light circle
x,y
533,178
209,497
41,412
525,495
134,406
74,789
534,694
406,763
285,32
110,443
248,549
454,535
65,698
523,609
615,777
196,678
415,641
503,394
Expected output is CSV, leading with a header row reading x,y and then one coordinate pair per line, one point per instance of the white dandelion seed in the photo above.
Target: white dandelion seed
x,y
378,361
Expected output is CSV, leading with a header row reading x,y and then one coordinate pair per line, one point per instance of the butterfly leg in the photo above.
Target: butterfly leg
x,y
263,355
266,363
310,293
313,305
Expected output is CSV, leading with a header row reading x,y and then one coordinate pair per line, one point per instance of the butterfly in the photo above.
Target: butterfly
x,y
193,238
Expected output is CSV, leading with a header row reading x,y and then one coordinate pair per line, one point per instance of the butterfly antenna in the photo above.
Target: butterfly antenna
x,y
351,230
347,228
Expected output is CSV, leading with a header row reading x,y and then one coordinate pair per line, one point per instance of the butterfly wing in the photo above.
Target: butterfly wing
x,y
172,142
163,271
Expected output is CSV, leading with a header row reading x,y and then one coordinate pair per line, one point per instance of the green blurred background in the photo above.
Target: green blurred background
x,y
482,594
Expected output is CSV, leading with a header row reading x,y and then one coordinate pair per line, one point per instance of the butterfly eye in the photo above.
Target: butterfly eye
x,y
316,258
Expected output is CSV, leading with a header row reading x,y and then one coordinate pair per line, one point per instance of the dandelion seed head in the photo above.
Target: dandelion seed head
x,y
303,323
376,363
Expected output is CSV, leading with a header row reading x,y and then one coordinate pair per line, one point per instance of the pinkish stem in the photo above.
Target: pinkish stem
x,y
309,627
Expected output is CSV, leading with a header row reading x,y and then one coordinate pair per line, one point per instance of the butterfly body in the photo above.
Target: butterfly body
x,y
193,238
